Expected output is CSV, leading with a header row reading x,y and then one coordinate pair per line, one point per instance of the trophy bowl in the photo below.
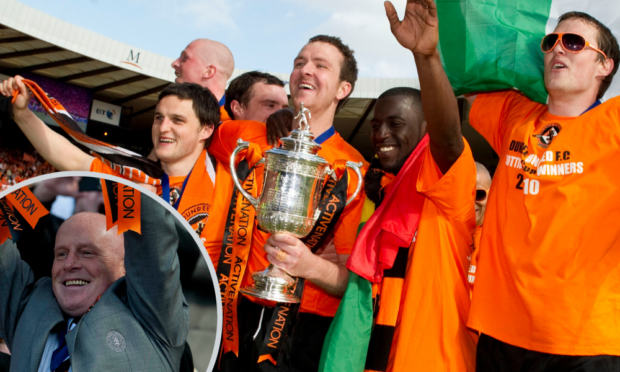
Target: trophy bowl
x,y
293,184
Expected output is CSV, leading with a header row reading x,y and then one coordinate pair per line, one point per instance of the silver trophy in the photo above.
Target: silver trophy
x,y
294,179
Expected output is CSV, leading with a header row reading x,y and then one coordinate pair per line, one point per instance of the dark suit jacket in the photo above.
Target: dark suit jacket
x,y
140,323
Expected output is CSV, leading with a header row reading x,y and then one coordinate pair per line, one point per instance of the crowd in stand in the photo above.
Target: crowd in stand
x,y
17,165
75,99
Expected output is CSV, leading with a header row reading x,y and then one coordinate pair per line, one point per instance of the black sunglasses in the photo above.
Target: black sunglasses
x,y
481,194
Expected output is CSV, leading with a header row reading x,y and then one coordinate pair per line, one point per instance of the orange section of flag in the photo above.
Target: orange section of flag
x,y
27,205
128,209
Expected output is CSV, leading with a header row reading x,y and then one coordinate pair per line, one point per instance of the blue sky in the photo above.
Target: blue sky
x,y
263,35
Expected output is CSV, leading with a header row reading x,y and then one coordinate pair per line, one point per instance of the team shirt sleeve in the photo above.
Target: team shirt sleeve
x,y
454,192
99,167
489,114
225,138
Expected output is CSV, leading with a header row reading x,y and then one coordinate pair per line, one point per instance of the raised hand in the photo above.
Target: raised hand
x,y
7,87
419,29
48,190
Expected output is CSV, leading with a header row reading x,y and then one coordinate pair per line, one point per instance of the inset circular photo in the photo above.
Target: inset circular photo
x,y
99,275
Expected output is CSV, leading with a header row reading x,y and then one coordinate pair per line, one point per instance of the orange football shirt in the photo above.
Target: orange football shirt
x,y
473,258
213,232
548,275
314,300
431,332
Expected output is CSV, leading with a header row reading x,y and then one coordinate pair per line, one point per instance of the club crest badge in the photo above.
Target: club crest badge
x,y
197,216
175,194
116,341
549,132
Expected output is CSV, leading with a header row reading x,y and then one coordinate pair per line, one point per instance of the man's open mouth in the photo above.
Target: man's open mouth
x,y
166,140
77,282
306,86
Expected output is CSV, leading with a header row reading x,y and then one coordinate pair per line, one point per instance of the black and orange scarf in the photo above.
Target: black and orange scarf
x,y
131,165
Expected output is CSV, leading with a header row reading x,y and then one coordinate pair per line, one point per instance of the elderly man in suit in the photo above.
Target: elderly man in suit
x,y
114,302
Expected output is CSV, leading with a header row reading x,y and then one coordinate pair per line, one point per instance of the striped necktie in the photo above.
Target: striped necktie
x,y
60,358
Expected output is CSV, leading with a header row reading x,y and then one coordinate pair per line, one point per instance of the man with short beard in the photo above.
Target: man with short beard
x,y
114,302
411,256
324,75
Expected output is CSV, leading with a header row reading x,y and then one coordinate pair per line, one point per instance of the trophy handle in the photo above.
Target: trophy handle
x,y
356,168
241,145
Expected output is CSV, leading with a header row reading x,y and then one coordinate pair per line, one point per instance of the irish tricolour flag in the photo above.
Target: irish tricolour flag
x,y
495,44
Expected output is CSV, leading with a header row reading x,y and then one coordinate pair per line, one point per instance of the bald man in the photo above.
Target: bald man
x,y
483,184
205,62
114,302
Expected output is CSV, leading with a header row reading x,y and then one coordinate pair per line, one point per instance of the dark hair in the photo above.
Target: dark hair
x,y
240,88
375,173
204,103
348,69
412,93
606,42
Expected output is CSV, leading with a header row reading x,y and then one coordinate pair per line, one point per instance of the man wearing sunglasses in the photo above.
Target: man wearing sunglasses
x,y
546,292
483,184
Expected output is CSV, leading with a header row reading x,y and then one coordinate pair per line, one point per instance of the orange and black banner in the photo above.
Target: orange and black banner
x,y
20,212
236,245
333,201
128,163
122,206
386,306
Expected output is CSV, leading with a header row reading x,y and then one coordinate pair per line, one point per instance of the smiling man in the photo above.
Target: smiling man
x,y
85,265
114,302
184,120
324,75
420,236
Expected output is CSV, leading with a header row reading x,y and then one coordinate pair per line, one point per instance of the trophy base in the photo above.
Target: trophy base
x,y
277,297
272,284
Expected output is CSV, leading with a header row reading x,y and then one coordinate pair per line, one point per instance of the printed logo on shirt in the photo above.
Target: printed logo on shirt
x,y
516,146
175,193
197,216
548,134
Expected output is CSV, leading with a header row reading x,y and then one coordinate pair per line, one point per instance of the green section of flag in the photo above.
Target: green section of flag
x,y
489,45
346,343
